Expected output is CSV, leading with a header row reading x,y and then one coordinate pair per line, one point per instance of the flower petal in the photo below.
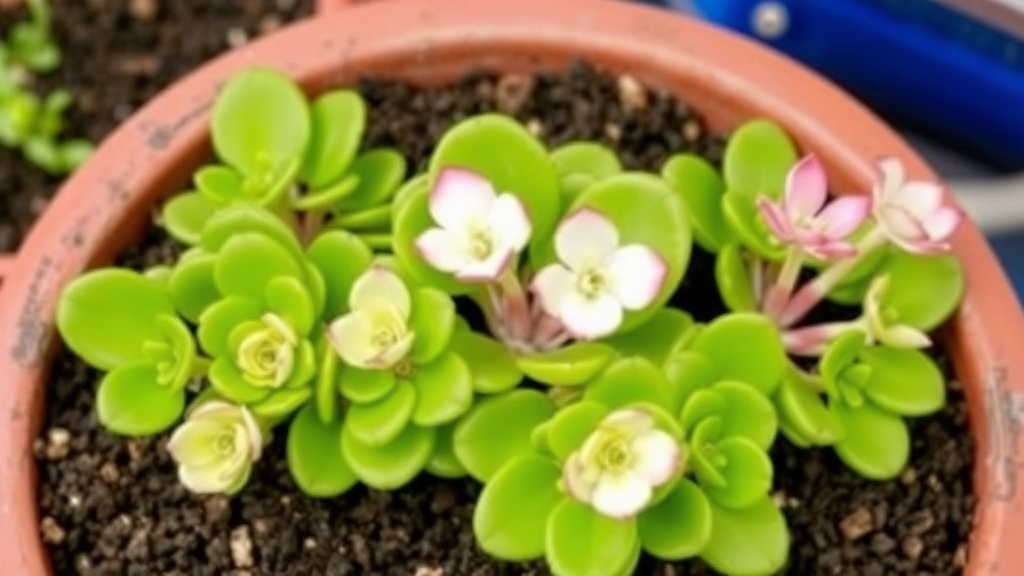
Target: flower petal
x,y
621,495
488,270
920,198
509,222
904,336
890,179
380,288
631,422
899,225
352,338
255,433
657,456
460,197
843,215
590,318
777,221
194,443
942,223
204,479
551,285
806,188
585,237
636,274
574,478
442,249
393,354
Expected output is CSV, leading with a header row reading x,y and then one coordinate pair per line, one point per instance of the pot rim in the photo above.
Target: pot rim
x,y
108,200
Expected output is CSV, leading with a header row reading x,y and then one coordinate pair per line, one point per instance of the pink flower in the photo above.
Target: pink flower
x,y
479,230
804,221
911,213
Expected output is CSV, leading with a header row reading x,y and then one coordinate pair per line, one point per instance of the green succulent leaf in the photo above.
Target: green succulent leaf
x,y
106,316
281,403
679,526
185,215
582,542
732,276
433,319
325,386
380,172
314,455
380,422
219,184
248,262
219,319
229,382
657,339
745,347
903,381
744,412
572,365
289,299
580,164
341,258
338,119
749,542
444,390
369,220
758,158
687,372
749,227
803,412
492,366
283,132
365,386
570,427
747,472
325,198
630,381
483,447
841,353
511,516
876,444
232,221
391,465
131,402
444,462
923,290
191,286
701,188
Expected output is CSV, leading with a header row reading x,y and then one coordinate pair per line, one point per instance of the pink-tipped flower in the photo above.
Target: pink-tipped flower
x,y
911,213
803,220
596,278
479,231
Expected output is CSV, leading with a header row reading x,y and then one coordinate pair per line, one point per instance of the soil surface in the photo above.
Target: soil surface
x,y
112,506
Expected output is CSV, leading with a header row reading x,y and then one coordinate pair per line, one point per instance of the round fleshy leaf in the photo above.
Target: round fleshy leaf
x,y
230,384
248,262
511,159
314,456
288,298
745,347
572,365
679,526
325,198
380,422
656,339
281,403
876,444
749,542
747,471
904,381
579,540
701,188
841,353
744,411
325,386
757,159
444,462
191,286
411,219
803,412
365,386
341,258
338,119
376,219
433,319
232,221
280,136
304,367
570,427
732,276
580,164
130,402
106,316
219,319
483,447
923,290
630,381
688,372
184,216
391,465
493,366
702,460
748,225
644,210
444,390
380,172
219,184
511,516
182,347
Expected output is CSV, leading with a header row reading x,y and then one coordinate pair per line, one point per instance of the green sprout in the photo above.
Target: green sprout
x,y
318,293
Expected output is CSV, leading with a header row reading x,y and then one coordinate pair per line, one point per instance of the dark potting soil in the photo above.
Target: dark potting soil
x,y
112,506
117,54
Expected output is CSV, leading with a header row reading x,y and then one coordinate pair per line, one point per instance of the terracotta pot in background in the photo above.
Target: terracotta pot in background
x,y
108,202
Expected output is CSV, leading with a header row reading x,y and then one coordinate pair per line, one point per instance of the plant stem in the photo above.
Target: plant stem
x,y
515,309
377,241
813,340
779,292
812,293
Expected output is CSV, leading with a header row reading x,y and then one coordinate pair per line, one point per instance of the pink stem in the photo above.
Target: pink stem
x,y
514,307
779,292
813,340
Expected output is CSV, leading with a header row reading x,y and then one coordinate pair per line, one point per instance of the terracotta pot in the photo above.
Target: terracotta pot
x,y
106,205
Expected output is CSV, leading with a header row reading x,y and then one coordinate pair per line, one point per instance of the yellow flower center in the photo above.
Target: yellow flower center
x,y
480,243
266,356
225,443
591,282
613,453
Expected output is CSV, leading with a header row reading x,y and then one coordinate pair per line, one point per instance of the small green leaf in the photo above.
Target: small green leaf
x,y
483,447
744,411
380,172
281,403
433,318
232,221
248,262
444,390
572,365
876,444
219,319
365,386
630,381
701,188
219,184
511,516
747,471
289,299
369,220
749,542
191,286
758,158
749,227
185,215
492,365
923,290
688,372
130,402
444,462
392,465
745,347
582,163
338,119
582,542
679,526
341,258
841,353
655,339
280,136
325,198
382,421
314,456
325,384
732,276
232,385
906,382
803,411
570,427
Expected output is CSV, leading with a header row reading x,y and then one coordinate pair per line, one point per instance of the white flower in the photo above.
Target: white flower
x,y
266,355
215,447
375,335
912,213
597,278
621,463
479,230
879,323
